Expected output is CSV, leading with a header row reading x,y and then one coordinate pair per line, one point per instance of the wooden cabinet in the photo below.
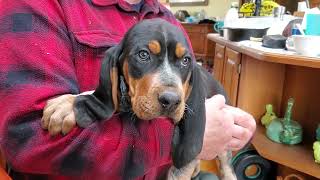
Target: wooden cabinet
x,y
226,69
202,47
218,62
231,74
315,3
273,78
197,34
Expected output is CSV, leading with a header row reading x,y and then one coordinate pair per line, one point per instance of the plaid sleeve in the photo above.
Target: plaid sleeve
x,y
36,64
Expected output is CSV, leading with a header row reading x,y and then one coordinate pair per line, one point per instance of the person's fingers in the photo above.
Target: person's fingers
x,y
235,144
243,118
247,121
236,110
217,134
240,133
217,101
228,121
68,123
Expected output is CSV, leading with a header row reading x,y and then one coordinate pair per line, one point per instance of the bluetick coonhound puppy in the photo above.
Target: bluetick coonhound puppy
x,y
153,73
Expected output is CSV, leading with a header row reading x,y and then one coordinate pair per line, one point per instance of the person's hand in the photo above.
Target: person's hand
x,y
227,128
58,116
243,128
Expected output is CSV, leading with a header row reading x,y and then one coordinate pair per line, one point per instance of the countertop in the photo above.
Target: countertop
x,y
256,50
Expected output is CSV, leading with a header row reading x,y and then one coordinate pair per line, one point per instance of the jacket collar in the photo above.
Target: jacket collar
x,y
149,5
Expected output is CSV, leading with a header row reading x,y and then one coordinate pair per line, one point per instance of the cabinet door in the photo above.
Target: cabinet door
x,y
231,74
198,42
218,62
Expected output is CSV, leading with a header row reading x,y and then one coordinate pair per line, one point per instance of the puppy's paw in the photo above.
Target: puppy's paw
x,y
58,115
231,177
225,166
185,173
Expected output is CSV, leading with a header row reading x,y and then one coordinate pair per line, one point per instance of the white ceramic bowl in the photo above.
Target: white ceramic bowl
x,y
307,45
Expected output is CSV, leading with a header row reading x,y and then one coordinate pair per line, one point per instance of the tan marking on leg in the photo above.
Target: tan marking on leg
x,y
55,112
196,170
184,173
225,168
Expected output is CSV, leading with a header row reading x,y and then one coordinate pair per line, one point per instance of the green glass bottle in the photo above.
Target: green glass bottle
x,y
292,130
318,133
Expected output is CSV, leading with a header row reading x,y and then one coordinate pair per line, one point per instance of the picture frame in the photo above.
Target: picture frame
x,y
188,2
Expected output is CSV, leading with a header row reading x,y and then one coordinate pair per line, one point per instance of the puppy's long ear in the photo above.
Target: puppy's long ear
x,y
104,101
188,134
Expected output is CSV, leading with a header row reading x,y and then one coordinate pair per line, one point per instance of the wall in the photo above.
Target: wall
x,y
215,8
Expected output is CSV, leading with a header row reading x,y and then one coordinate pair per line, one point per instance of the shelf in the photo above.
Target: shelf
x,y
274,57
298,157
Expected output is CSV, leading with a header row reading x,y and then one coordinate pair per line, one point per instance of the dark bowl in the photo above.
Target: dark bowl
x,y
241,34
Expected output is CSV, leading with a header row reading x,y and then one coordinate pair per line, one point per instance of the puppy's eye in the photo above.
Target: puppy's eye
x,y
144,55
186,61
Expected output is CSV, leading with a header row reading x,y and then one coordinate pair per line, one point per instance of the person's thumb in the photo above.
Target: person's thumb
x,y
217,102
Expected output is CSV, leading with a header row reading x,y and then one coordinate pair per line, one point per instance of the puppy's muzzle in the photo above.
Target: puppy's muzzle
x,y
169,100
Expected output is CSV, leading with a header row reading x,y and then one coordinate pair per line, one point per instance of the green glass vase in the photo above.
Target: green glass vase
x,y
285,130
292,130
318,133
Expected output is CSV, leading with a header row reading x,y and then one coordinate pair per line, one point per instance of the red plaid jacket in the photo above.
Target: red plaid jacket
x,y
54,47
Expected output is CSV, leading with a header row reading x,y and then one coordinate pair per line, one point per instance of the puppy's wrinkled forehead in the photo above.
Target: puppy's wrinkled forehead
x,y
159,35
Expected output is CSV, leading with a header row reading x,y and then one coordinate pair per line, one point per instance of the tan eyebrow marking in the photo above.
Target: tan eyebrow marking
x,y
180,50
154,46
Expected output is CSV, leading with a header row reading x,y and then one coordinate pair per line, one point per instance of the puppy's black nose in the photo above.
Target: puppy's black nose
x,y
169,100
